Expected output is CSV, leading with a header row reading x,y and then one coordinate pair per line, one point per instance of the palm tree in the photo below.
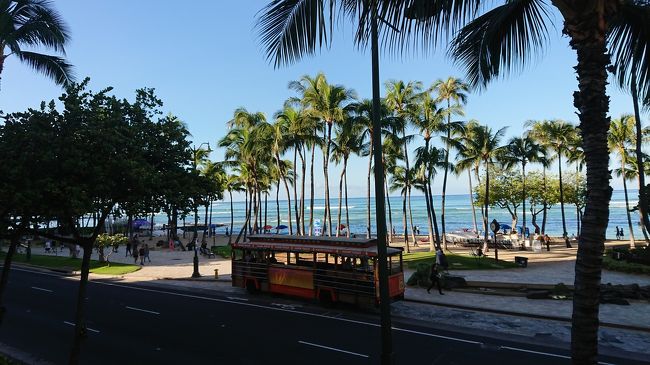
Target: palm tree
x,y
35,23
402,99
234,184
391,153
556,135
522,150
621,139
451,89
469,165
347,140
279,146
327,102
575,155
484,146
400,180
487,41
428,160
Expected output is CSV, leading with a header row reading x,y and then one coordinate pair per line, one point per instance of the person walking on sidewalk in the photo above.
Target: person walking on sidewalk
x,y
434,277
146,252
128,249
142,255
135,254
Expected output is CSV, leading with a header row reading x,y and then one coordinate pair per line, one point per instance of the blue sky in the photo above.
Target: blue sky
x,y
204,61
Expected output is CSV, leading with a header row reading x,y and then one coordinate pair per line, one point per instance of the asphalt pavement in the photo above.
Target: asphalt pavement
x,y
143,324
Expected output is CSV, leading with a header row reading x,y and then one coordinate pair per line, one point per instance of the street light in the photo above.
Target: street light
x,y
196,273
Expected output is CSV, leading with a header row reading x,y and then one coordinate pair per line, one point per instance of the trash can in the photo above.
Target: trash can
x,y
521,261
216,273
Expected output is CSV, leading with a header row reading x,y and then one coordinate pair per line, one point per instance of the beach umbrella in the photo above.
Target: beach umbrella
x,y
140,222
282,226
342,226
268,227
505,226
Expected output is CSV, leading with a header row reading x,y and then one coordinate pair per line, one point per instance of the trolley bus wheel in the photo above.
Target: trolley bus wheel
x,y
325,298
251,287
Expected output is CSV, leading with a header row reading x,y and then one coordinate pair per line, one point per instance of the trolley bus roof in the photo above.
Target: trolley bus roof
x,y
332,245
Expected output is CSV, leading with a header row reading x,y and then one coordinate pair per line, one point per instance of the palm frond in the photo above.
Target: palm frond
x,y
290,29
53,67
629,40
502,38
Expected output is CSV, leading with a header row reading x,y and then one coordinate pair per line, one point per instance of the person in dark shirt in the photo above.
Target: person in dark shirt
x,y
435,279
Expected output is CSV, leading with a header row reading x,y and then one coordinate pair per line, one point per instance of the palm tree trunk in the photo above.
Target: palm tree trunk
x,y
643,193
232,217
415,241
79,323
15,238
277,205
338,224
444,180
368,212
544,203
627,203
209,223
311,194
429,222
433,214
347,213
523,189
390,213
471,200
266,209
246,214
406,236
205,230
486,203
295,192
328,213
559,166
302,191
259,199
286,186
578,217
588,38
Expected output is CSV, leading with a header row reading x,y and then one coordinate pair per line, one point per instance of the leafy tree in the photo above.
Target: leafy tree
x,y
542,192
106,241
506,192
35,23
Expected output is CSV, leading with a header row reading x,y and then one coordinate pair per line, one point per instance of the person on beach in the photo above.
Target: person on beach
x,y
618,234
621,235
434,277
128,249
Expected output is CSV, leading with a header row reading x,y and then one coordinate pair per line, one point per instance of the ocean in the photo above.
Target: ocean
x,y
458,214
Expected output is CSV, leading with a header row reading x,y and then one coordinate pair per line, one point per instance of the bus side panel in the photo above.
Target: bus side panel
x,y
396,285
290,281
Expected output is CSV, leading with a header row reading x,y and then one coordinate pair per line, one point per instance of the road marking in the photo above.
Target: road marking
x,y
141,310
285,306
333,349
235,298
88,328
543,353
437,336
41,289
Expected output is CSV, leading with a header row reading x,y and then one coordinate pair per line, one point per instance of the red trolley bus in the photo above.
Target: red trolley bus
x,y
324,268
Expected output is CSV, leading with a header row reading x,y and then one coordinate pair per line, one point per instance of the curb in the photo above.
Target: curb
x,y
200,279
45,269
528,315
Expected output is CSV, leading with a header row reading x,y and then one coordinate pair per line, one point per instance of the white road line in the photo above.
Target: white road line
x,y
235,298
141,310
436,336
41,289
543,353
88,328
333,349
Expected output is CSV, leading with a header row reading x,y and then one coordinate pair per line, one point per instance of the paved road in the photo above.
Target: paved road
x,y
132,324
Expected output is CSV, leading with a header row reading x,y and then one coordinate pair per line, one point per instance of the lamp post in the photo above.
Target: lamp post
x,y
380,207
196,273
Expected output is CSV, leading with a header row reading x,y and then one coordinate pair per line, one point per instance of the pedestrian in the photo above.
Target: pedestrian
x,y
547,240
441,260
227,234
128,249
146,252
622,235
435,279
618,233
142,255
135,254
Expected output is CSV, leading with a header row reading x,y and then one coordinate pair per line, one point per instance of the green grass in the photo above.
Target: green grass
x,y
69,263
457,262
223,251
624,266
